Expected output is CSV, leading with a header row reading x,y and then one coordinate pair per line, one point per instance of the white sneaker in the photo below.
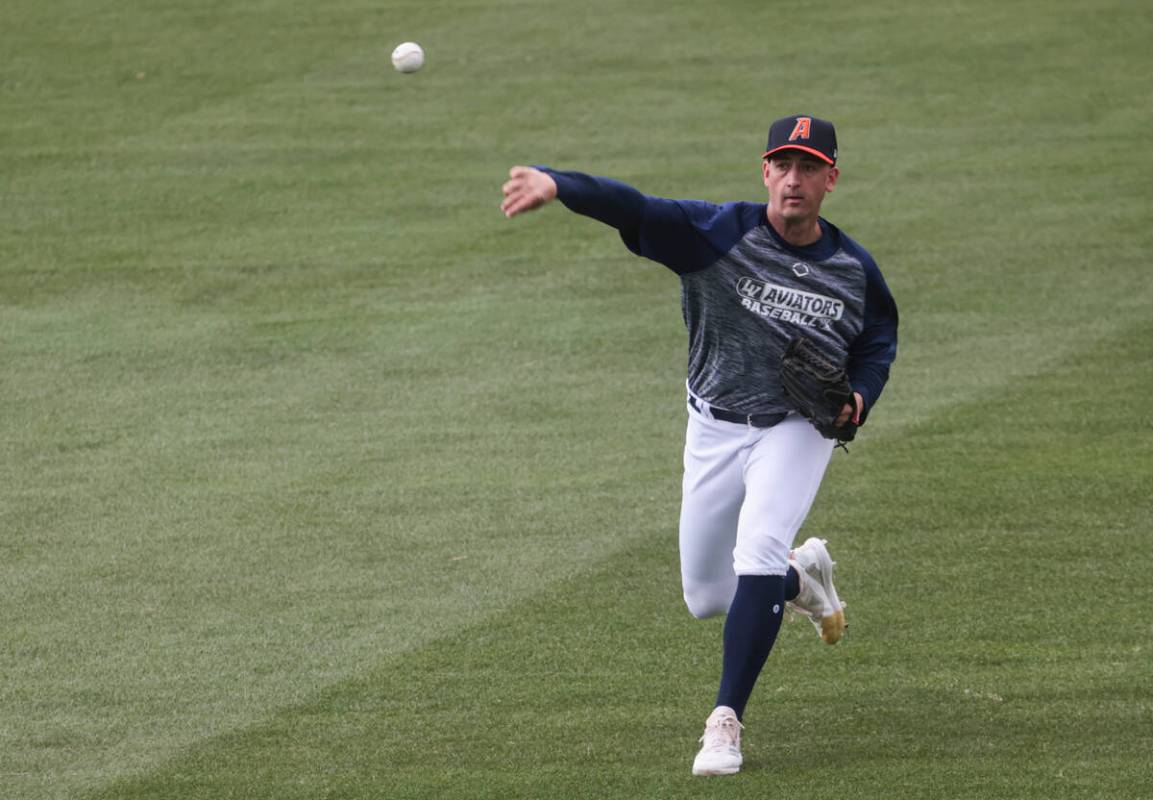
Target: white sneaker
x,y
818,598
721,745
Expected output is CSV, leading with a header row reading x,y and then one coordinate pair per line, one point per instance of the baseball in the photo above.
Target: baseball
x,y
408,57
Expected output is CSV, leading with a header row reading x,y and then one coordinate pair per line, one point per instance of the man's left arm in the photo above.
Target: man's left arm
x,y
875,348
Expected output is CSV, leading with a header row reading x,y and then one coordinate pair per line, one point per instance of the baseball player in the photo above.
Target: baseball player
x,y
754,276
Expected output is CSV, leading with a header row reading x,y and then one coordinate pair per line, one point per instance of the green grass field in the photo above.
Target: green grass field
x,y
321,479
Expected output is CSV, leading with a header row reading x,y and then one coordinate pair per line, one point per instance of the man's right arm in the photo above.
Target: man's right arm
x,y
604,199
684,235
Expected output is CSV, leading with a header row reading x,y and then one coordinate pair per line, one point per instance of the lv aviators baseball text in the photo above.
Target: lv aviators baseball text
x,y
789,305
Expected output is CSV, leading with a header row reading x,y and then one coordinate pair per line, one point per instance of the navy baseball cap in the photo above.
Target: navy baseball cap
x,y
802,132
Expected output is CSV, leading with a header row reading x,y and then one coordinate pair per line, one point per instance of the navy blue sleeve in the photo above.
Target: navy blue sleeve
x,y
875,349
684,235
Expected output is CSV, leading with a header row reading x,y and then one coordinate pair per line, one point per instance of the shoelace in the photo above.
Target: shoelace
x,y
722,734
797,611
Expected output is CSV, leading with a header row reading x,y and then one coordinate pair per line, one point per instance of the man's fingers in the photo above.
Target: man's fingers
x,y
514,192
515,204
511,198
522,202
516,208
843,417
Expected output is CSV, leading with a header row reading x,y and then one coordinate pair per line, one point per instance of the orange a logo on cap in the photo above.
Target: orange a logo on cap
x,y
801,129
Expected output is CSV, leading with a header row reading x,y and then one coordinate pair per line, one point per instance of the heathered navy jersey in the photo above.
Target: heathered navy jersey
x,y
745,291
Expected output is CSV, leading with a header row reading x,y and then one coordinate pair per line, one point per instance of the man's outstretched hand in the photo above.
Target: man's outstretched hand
x,y
526,189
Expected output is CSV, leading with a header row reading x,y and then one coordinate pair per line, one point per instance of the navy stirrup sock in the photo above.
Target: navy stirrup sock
x,y
792,584
750,630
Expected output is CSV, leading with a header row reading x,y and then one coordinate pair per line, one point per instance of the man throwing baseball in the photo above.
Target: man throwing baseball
x,y
754,277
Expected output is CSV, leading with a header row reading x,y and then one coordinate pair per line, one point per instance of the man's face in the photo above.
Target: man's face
x,y
797,184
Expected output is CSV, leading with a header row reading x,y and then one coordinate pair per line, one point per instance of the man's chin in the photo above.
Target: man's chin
x,y
795,214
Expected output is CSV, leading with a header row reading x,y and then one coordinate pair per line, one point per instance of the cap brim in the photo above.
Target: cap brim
x,y
810,150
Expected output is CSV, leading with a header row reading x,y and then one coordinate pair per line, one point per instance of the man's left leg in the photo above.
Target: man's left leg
x,y
782,474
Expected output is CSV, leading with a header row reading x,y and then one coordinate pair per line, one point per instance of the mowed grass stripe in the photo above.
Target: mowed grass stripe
x,y
233,143
133,72
980,659
197,563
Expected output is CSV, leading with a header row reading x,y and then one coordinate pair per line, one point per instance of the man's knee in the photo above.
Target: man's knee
x,y
709,599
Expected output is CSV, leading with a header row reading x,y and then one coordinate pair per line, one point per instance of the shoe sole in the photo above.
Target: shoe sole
x,y
706,772
832,626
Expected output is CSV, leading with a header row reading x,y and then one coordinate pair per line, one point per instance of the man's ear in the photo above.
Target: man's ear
x,y
765,171
831,180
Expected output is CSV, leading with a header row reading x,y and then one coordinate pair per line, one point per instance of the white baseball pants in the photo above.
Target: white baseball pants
x,y
746,493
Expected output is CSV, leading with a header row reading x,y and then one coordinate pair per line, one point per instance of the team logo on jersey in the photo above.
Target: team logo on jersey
x,y
789,305
800,269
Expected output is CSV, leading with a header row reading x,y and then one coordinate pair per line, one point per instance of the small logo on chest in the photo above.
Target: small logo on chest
x,y
800,269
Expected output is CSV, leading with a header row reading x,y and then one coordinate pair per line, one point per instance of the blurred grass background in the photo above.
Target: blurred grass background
x,y
322,479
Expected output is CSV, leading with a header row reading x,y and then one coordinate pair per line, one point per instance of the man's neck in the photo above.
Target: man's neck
x,y
797,232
